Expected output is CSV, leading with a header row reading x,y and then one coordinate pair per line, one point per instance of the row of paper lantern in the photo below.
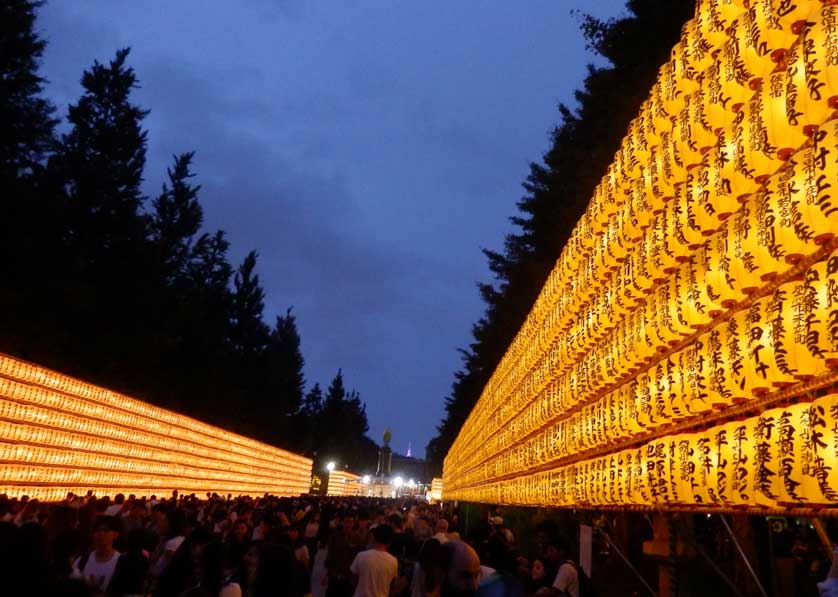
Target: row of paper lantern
x,y
781,224
788,336
783,457
697,51
53,389
727,163
755,140
18,437
102,481
34,415
729,171
16,456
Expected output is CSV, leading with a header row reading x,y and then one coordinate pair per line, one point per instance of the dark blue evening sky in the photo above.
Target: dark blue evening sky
x,y
366,149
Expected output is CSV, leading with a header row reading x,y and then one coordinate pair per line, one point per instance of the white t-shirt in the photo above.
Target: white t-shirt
x,y
567,580
173,543
97,574
376,570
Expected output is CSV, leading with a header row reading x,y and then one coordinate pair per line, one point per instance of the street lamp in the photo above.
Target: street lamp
x,y
330,466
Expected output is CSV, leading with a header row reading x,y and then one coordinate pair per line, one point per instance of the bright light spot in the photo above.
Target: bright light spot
x,y
398,482
411,483
330,466
366,479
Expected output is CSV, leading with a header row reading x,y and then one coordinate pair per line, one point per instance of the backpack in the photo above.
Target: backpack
x,y
586,587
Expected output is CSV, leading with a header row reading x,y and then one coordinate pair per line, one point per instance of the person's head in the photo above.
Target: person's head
x,y
174,524
557,551
349,522
460,569
395,521
382,535
422,528
442,526
240,531
119,499
105,531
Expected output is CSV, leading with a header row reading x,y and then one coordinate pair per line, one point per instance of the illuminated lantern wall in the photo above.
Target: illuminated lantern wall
x,y
59,434
683,350
344,483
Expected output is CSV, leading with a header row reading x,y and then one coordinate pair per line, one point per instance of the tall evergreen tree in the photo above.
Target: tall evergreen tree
x,y
26,118
101,162
248,333
177,218
26,138
285,364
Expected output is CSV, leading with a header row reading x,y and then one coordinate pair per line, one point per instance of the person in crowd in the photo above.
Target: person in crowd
x,y
131,567
441,531
97,567
117,508
542,575
238,540
567,578
339,559
183,570
425,580
319,574
459,570
375,569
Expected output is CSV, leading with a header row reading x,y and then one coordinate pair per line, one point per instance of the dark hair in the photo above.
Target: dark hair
x,y
177,522
429,561
383,534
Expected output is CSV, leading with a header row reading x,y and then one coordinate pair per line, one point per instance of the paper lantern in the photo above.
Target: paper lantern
x,y
812,72
819,333
822,440
814,170
766,135
695,374
714,17
737,383
763,39
741,456
689,218
736,77
685,133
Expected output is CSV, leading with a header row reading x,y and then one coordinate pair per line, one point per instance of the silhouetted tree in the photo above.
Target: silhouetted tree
x,y
29,217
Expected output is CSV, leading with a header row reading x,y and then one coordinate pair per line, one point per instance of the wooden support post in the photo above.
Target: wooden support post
x,y
666,547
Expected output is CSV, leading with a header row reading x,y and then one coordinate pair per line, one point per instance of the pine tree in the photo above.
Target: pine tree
x,y
285,364
248,334
313,401
177,218
26,118
29,217
101,163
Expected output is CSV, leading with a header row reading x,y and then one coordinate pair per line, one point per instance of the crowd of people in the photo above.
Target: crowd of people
x,y
219,546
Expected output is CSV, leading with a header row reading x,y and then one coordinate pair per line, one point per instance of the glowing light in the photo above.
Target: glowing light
x,y
697,281
330,466
58,434
366,479
398,482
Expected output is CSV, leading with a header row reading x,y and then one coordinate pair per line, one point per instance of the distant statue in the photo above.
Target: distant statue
x,y
385,456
